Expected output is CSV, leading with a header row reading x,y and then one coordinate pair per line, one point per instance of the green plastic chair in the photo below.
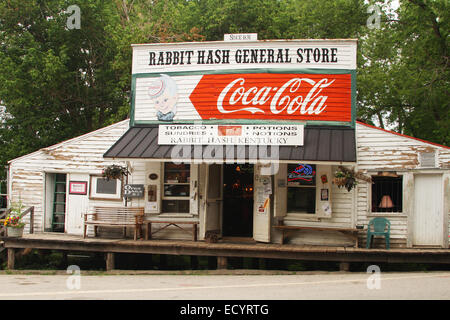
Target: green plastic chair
x,y
381,227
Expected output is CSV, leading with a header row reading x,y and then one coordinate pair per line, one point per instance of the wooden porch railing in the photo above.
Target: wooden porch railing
x,y
3,215
2,219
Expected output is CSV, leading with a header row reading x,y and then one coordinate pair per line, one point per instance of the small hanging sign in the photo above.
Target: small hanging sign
x,y
133,191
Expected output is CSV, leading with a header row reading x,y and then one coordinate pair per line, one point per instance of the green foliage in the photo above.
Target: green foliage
x,y
290,19
58,83
404,78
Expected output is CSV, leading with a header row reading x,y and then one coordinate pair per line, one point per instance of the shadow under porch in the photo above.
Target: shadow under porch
x,y
221,251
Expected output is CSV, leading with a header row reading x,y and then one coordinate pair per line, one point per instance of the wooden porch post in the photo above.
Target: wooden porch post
x,y
194,262
222,263
344,266
109,261
11,258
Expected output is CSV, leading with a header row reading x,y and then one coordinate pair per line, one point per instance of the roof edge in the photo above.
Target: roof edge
x,y
54,146
402,135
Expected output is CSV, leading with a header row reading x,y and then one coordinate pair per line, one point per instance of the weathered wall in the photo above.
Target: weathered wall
x,y
342,215
81,155
379,150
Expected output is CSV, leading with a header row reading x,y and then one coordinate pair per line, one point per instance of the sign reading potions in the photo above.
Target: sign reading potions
x,y
302,174
133,191
192,134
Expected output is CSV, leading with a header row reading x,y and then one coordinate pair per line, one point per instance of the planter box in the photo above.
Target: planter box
x,y
14,232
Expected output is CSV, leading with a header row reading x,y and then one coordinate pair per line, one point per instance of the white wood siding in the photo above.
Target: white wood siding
x,y
342,216
81,155
379,150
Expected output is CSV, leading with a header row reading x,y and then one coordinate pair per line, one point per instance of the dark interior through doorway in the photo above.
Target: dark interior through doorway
x,y
237,200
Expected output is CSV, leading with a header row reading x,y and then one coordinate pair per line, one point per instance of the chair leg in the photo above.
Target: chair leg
x,y
368,241
388,244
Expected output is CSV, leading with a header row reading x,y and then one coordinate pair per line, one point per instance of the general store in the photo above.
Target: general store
x,y
243,145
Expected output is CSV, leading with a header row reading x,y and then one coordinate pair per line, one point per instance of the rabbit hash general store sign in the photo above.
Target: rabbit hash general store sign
x,y
263,80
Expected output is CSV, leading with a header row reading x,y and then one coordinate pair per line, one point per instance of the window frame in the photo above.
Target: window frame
x,y
175,198
302,214
370,211
103,196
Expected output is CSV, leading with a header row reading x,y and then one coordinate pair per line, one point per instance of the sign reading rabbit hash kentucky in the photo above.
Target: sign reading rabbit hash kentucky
x,y
261,80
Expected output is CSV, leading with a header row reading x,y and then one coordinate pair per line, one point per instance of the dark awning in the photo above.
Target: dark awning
x,y
321,143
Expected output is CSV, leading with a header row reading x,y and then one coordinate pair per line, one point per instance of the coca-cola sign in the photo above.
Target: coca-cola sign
x,y
322,97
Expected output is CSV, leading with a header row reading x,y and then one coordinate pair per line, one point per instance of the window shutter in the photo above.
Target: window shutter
x,y
154,179
193,199
280,206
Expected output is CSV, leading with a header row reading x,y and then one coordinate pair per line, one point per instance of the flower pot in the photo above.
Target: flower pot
x,y
340,181
14,232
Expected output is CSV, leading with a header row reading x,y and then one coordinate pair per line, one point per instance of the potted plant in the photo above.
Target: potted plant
x,y
344,177
114,172
13,222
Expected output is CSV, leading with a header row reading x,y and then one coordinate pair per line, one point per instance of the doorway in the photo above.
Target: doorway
x,y
55,202
237,200
428,218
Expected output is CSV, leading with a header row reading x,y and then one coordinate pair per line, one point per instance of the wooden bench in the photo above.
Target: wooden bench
x,y
115,217
285,229
149,233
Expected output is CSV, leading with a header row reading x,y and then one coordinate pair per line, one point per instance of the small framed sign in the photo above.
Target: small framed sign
x,y
78,187
324,194
133,191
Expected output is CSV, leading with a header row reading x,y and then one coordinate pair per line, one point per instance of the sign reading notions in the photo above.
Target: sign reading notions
x,y
236,134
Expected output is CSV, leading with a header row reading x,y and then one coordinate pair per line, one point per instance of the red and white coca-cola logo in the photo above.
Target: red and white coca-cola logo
x,y
274,96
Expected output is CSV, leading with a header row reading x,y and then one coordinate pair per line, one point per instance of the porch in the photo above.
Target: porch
x,y
221,250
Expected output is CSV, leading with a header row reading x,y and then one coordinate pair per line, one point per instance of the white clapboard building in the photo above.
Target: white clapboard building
x,y
244,137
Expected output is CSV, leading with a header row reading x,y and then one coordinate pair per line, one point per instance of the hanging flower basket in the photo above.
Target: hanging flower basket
x,y
347,178
114,172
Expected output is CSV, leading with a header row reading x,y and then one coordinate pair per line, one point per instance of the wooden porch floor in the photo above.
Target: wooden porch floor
x,y
223,249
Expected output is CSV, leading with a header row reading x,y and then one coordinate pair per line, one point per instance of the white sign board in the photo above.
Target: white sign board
x,y
240,37
204,134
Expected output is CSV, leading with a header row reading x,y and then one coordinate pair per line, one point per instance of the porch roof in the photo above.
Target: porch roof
x,y
321,143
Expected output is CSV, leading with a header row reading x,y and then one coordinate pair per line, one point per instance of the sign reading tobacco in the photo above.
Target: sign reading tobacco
x,y
206,134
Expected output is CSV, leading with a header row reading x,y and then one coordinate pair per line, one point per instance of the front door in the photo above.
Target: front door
x,y
238,200
428,219
212,203
77,206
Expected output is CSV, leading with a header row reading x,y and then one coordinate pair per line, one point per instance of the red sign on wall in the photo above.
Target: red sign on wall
x,y
322,97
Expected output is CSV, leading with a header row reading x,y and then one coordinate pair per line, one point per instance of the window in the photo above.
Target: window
x,y
301,191
176,188
101,188
387,195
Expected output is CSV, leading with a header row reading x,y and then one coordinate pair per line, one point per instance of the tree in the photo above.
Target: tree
x,y
56,83
275,19
404,81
